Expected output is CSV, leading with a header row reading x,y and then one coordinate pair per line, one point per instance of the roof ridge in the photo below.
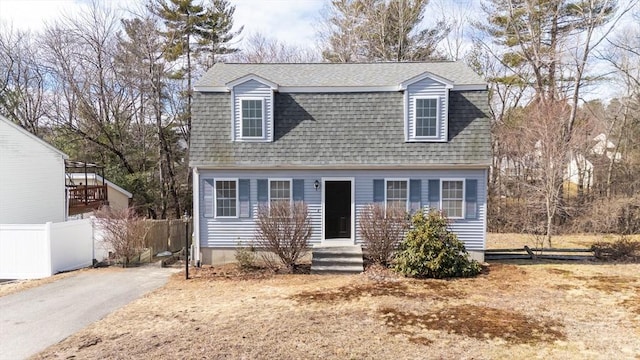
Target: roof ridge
x,y
345,63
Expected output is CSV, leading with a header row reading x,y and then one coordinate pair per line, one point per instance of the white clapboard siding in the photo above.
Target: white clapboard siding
x,y
32,183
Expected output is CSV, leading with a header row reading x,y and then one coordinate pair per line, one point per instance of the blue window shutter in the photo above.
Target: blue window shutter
x,y
415,195
471,198
263,191
378,191
298,190
243,196
434,194
207,198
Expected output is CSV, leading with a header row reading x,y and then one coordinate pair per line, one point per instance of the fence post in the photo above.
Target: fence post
x,y
93,239
47,245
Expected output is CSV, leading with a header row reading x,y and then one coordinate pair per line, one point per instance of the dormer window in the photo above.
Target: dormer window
x,y
253,120
426,105
425,121
252,109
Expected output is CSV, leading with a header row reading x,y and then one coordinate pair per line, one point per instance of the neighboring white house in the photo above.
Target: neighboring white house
x,y
32,178
580,170
604,146
118,197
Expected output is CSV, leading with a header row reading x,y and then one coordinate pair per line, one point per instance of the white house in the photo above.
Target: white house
x,y
580,170
32,178
118,198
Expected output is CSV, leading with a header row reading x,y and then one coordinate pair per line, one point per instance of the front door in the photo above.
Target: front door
x,y
337,217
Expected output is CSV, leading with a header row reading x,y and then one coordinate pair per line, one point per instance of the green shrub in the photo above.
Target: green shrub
x,y
245,256
430,250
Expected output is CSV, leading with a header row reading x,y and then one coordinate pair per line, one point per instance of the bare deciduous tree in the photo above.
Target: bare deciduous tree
x,y
547,150
261,49
22,79
123,231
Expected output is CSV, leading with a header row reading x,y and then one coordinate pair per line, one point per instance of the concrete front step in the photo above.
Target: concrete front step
x,y
337,260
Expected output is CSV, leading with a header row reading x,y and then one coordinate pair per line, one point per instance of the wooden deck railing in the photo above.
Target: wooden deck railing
x,y
83,198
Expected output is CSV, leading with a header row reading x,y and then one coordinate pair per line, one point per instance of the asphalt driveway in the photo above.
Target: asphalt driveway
x,y
33,319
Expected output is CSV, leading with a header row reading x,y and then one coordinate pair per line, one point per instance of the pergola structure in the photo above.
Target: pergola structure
x,y
82,196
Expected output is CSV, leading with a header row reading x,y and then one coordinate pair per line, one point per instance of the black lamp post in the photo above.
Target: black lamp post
x,y
185,218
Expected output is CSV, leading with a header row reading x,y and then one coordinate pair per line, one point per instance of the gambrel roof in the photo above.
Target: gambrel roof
x,y
340,116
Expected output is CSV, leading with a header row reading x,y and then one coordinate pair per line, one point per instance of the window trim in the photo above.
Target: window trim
x,y
290,180
406,180
241,118
415,120
464,200
215,198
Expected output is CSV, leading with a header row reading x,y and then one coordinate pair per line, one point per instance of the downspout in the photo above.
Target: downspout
x,y
484,211
197,256
65,212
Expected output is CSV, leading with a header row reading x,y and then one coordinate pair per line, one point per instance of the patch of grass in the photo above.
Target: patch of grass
x,y
356,291
510,240
559,271
231,272
608,284
633,304
433,289
566,287
477,322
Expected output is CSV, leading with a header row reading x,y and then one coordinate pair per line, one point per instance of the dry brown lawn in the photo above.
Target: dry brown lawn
x,y
497,241
534,310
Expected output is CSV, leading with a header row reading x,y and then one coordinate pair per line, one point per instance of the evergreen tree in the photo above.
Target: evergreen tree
x,y
194,30
378,30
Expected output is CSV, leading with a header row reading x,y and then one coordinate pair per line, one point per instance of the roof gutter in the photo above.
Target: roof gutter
x,y
339,89
479,166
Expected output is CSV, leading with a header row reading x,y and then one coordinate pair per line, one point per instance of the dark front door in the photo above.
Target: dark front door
x,y
337,206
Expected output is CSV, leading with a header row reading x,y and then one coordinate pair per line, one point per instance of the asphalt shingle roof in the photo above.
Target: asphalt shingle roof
x,y
339,74
340,130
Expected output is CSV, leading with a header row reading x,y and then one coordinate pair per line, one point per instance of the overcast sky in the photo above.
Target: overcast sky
x,y
291,21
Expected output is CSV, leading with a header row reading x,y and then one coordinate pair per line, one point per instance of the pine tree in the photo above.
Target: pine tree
x,y
192,31
378,30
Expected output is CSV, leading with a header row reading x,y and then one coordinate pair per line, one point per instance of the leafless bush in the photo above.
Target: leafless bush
x,y
283,229
123,231
382,230
623,249
513,216
605,216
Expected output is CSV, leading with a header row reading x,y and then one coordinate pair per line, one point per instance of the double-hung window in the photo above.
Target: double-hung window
x,y
396,194
279,190
226,198
252,111
453,198
426,117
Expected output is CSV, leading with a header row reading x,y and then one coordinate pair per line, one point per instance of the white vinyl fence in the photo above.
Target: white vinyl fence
x,y
31,251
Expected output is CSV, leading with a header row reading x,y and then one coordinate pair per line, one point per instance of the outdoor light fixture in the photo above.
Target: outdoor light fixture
x,y
316,185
